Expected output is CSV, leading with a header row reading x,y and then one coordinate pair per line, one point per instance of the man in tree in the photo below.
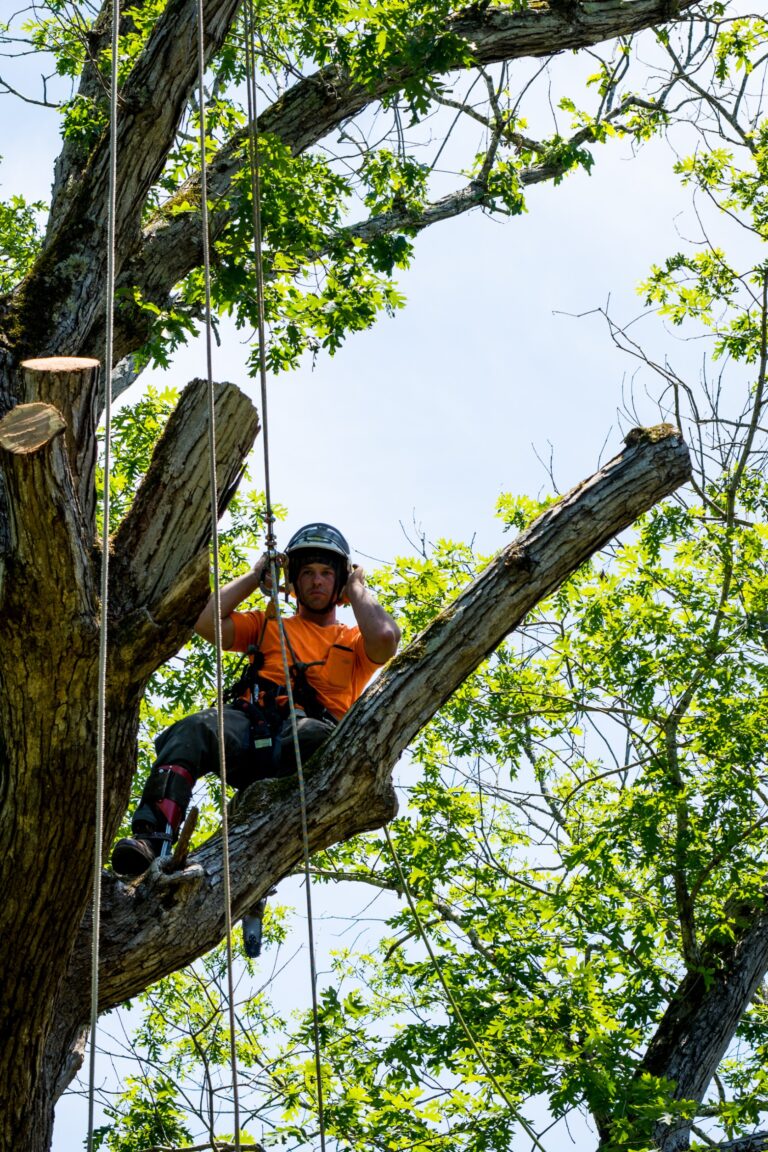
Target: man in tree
x,y
330,664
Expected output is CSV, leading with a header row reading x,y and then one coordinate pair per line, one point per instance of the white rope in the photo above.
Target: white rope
x,y
305,846
104,591
271,548
216,567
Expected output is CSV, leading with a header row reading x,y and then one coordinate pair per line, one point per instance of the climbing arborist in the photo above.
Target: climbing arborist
x,y
330,664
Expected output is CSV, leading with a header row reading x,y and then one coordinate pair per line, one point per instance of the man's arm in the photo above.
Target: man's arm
x,y
230,596
381,635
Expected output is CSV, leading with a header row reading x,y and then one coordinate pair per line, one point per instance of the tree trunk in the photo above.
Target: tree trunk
x,y
49,639
700,1022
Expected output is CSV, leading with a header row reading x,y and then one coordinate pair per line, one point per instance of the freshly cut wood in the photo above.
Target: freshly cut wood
x,y
60,365
71,384
29,427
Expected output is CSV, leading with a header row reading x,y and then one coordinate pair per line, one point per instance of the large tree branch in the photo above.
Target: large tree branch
x,y
349,786
71,386
161,567
63,298
757,1142
700,1022
170,252
320,103
93,86
51,570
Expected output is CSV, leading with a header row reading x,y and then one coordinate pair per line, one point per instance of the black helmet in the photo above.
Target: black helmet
x,y
319,542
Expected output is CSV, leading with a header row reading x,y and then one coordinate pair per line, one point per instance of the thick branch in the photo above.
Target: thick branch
x,y
73,264
349,786
319,104
63,299
757,1142
48,564
29,427
71,385
699,1024
161,548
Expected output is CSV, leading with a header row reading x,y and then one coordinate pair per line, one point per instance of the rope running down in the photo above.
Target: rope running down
x,y
253,152
104,591
216,568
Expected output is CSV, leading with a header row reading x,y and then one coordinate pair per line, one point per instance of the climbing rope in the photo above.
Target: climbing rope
x,y
216,567
453,1002
104,590
253,156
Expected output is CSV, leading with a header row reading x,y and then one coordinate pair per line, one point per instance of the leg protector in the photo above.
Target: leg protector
x,y
164,800
156,821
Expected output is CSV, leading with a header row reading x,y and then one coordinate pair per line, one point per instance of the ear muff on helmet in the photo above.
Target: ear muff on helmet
x,y
319,543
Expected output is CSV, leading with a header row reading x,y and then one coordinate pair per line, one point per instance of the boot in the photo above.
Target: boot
x,y
133,854
156,821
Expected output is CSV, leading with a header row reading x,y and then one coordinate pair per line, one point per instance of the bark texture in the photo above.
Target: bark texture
x,y
701,1020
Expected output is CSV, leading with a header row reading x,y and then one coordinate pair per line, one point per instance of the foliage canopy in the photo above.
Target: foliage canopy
x,y
585,826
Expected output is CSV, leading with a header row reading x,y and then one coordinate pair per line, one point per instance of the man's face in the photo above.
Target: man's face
x,y
315,586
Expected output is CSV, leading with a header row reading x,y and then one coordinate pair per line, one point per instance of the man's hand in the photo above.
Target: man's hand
x,y
354,585
262,570
233,594
380,633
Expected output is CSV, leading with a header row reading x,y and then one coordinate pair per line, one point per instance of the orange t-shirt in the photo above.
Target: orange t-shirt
x,y
338,681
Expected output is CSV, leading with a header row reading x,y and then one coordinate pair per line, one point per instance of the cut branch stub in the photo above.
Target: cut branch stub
x,y
29,427
49,542
71,384
161,571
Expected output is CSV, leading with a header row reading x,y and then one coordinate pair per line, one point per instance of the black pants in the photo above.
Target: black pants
x,y
193,743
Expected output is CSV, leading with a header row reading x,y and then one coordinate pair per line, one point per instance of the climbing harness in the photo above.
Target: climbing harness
x,y
265,703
